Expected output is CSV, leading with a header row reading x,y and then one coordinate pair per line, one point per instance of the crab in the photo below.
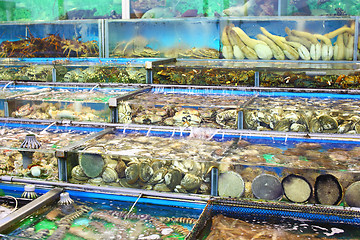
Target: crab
x,y
73,46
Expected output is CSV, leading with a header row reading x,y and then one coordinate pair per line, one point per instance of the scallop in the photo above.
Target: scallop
x,y
190,182
109,175
173,178
145,171
132,173
78,173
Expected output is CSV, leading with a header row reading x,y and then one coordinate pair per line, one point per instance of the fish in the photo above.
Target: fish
x,y
240,10
159,12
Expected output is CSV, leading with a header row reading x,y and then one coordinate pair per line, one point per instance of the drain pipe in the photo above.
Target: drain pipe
x,y
21,213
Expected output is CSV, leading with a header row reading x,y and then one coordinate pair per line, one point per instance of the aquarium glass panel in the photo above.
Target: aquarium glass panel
x,y
302,112
213,108
190,38
80,104
323,8
306,39
151,160
56,39
29,151
239,8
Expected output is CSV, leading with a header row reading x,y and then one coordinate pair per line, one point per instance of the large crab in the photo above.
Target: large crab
x,y
73,46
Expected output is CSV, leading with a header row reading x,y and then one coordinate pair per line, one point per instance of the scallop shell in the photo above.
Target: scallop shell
x,y
173,178
78,173
145,171
132,173
109,175
190,182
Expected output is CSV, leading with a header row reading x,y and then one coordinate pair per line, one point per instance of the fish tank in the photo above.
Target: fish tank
x,y
225,219
103,70
321,8
28,150
59,10
77,214
291,169
302,112
184,107
71,103
205,72
50,39
288,38
147,159
317,75
180,38
9,90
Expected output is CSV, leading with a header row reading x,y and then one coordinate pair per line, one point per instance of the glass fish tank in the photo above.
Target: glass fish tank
x,y
226,219
59,10
50,39
204,72
329,76
103,70
78,214
9,90
303,112
322,8
291,168
72,103
180,38
145,159
305,39
28,150
169,106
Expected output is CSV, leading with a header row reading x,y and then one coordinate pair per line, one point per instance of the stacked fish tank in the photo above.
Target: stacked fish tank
x,y
244,125
71,103
52,39
28,150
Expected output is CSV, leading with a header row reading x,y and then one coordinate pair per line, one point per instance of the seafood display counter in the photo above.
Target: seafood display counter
x,y
43,39
72,103
28,150
97,215
252,73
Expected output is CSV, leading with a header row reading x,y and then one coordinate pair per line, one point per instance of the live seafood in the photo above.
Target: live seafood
x,y
230,228
141,162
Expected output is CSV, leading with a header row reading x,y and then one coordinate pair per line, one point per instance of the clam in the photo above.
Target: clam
x,y
132,173
145,171
173,178
190,182
78,173
158,176
109,175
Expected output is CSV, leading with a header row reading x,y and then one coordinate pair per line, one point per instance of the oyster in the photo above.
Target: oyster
x,y
328,122
190,182
315,126
109,175
161,187
187,117
132,173
120,168
145,171
283,125
78,173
